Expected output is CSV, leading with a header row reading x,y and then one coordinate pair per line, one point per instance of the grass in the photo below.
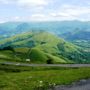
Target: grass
x,y
46,43
35,55
38,78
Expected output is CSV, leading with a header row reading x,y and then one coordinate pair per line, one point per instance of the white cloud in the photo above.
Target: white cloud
x,y
38,15
59,14
32,2
16,18
69,12
35,6
66,13
4,1
73,10
26,2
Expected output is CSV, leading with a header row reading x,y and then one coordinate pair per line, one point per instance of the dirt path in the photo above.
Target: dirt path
x,y
81,85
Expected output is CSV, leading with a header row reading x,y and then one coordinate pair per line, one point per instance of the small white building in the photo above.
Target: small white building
x,y
28,60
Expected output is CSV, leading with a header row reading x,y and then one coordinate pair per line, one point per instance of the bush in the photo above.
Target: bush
x,y
49,61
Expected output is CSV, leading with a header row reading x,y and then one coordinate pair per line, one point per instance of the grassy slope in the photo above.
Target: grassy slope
x,y
28,78
8,55
44,43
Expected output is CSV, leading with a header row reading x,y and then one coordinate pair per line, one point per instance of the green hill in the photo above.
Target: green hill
x,y
40,47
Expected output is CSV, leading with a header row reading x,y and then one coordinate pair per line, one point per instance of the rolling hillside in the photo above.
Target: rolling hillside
x,y
80,38
40,47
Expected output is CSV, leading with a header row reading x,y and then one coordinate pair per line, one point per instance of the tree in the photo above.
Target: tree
x,y
49,61
8,48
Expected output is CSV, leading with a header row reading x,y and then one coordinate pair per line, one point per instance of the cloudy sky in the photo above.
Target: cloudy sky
x,y
44,10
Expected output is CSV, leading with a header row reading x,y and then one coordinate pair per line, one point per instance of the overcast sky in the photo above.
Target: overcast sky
x,y
44,10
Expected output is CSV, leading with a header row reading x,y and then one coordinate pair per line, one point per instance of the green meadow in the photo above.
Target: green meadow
x,y
39,78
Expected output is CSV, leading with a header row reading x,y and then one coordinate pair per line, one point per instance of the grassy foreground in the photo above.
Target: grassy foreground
x,y
38,78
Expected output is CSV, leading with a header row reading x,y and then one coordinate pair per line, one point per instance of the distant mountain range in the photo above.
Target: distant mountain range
x,y
58,27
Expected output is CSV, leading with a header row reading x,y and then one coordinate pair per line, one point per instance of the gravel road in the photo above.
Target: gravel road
x,y
46,65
